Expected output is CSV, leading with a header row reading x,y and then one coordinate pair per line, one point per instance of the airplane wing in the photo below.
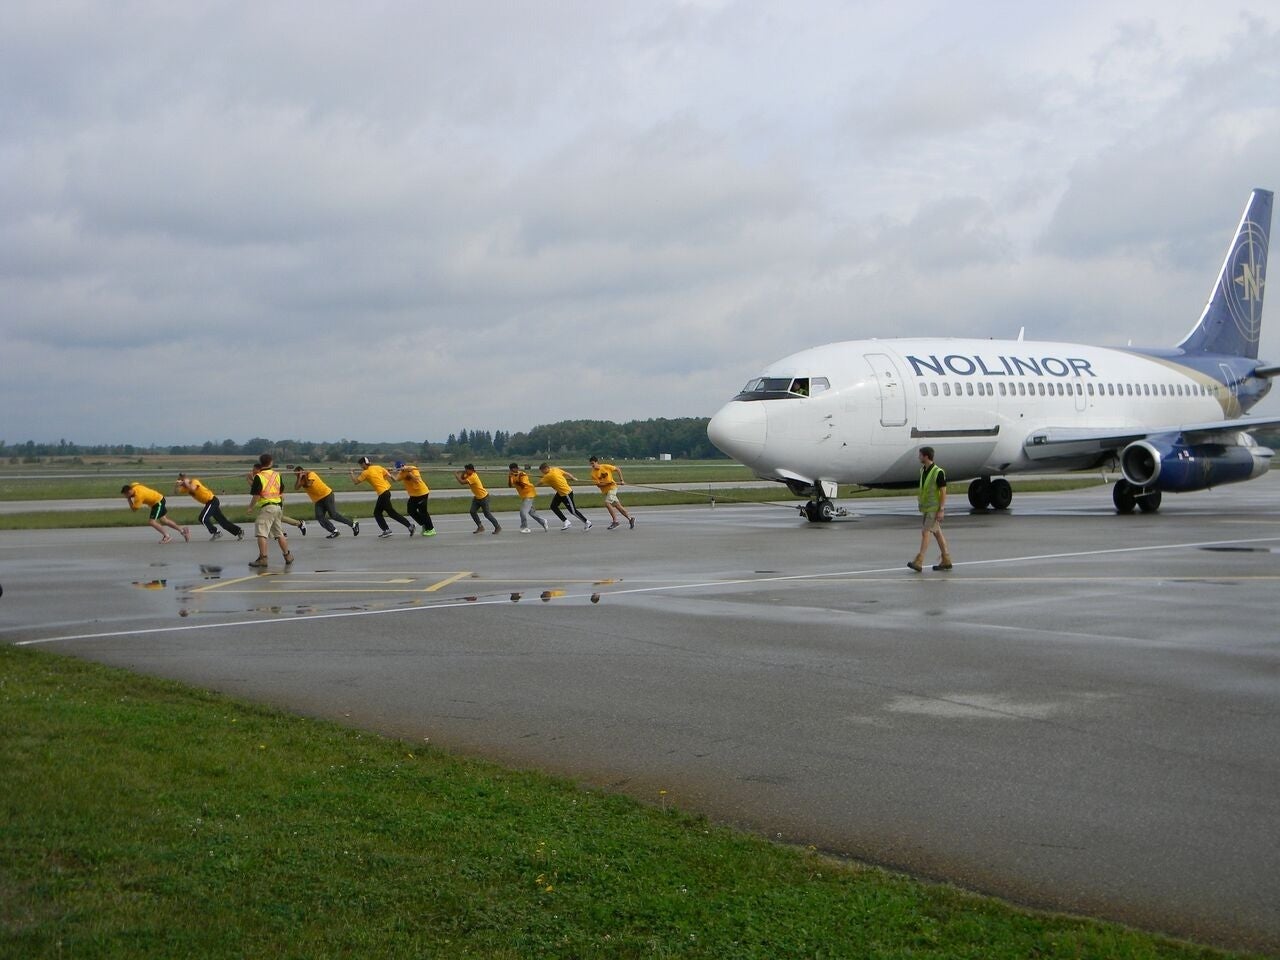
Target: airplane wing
x,y
1054,443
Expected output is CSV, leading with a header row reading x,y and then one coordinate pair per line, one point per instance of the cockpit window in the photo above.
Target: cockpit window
x,y
780,388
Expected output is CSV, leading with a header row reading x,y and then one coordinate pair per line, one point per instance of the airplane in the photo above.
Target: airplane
x,y
858,411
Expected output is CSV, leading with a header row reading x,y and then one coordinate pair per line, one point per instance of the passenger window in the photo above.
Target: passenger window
x,y
1091,389
924,389
1002,389
968,388
933,389
946,389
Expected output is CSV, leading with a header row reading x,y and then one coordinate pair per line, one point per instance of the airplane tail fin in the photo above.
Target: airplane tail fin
x,y
1232,320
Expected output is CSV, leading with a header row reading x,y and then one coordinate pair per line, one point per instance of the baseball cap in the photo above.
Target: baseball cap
x,y
399,464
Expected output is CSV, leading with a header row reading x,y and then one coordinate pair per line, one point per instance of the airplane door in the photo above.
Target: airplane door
x,y
893,402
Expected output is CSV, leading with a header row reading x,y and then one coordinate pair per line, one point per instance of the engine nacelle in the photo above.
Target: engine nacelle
x,y
1177,467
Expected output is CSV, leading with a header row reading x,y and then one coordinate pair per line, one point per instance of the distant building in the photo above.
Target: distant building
x,y
664,456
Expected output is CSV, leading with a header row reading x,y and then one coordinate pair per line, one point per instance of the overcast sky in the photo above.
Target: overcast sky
x,y
396,220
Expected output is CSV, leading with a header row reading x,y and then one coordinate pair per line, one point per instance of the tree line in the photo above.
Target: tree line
x,y
684,438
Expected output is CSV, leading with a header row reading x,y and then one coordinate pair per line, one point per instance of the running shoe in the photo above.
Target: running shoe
x,y
240,536
632,521
302,527
525,530
355,529
588,526
566,525
412,529
384,534
429,533
613,526
333,535
217,535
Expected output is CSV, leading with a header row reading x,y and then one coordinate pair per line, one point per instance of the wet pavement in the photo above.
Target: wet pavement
x,y
1081,715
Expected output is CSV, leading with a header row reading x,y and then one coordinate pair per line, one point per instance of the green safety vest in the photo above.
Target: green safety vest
x,y
929,499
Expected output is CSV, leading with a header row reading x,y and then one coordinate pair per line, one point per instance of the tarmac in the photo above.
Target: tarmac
x,y
1082,715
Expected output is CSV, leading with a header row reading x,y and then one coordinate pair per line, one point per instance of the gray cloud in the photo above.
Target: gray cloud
x,y
416,218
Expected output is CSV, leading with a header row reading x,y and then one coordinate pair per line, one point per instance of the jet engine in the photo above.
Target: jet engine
x,y
1173,465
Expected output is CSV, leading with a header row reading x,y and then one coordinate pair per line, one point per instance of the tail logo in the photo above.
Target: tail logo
x,y
1248,272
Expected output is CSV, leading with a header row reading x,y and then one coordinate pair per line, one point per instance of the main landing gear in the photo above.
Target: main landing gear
x,y
984,493
820,511
1126,496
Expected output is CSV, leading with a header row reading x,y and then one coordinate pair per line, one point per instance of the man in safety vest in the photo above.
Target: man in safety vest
x,y
933,503
267,497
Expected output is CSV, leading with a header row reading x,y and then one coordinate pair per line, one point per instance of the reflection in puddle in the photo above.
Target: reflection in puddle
x,y
150,584
211,571
1240,549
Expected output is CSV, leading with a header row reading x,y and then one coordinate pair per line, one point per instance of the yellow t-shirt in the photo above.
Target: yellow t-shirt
x,y
199,492
473,481
140,496
414,485
602,477
554,478
316,488
377,476
524,486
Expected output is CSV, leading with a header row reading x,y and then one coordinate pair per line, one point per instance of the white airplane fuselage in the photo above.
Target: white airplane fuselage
x,y
872,404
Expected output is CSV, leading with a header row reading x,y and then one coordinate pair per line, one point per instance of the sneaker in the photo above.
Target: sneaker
x,y
632,521
525,530
429,533
288,559
944,565
497,530
239,536
412,529
566,525
384,534
914,566
259,564
355,529
302,527
333,535
613,526
588,526
217,535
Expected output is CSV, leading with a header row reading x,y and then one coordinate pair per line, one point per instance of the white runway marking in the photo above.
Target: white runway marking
x,y
692,585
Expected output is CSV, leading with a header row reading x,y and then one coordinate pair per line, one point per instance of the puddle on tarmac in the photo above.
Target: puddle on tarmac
x,y
211,571
151,584
1241,549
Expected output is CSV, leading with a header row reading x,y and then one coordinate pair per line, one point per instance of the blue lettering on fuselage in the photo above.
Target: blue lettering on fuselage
x,y
965,366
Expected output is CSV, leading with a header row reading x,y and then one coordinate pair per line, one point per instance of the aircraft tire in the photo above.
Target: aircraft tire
x,y
1001,494
1149,502
1122,496
980,493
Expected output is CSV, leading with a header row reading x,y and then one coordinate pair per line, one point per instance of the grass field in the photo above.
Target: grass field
x,y
142,818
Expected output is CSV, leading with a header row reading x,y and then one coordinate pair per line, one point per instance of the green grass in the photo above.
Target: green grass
x,y
142,818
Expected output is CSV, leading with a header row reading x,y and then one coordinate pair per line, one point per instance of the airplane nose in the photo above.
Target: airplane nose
x,y
738,430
